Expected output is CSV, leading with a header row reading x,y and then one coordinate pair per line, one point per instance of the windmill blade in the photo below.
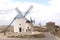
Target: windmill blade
x,y
34,20
28,10
17,16
9,25
19,11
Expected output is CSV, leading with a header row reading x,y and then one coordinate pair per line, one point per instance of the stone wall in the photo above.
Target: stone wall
x,y
50,26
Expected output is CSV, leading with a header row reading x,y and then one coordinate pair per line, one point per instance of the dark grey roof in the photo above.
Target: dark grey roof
x,y
19,15
27,21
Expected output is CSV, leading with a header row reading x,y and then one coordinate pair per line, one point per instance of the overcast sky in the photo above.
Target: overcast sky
x,y
43,10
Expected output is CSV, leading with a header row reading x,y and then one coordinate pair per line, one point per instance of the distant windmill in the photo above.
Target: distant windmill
x,y
32,25
17,19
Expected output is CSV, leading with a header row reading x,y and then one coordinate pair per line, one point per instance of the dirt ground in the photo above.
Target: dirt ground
x,y
22,35
48,36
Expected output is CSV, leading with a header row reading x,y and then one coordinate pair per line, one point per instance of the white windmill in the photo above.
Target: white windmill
x,y
20,22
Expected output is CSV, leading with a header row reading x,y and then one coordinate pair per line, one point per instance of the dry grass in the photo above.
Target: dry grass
x,y
38,36
10,29
40,29
27,36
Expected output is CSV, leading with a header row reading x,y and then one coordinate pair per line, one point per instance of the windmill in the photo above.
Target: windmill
x,y
32,25
19,16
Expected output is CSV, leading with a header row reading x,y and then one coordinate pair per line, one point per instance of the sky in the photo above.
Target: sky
x,y
43,10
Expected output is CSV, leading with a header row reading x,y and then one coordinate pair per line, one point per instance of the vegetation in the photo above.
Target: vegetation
x,y
27,36
38,36
40,29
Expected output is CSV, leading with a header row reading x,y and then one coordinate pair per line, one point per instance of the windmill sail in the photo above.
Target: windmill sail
x,y
9,25
28,10
20,15
18,10
17,16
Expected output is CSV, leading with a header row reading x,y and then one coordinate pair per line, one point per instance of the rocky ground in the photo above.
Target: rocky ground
x,y
22,35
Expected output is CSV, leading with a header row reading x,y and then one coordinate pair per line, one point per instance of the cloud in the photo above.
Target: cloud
x,y
39,12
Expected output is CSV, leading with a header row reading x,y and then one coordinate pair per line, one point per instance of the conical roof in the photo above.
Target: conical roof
x,y
19,15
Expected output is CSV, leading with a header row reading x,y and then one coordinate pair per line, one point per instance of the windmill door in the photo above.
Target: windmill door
x,y
20,29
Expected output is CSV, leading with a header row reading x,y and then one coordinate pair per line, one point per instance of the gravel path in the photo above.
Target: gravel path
x,y
49,36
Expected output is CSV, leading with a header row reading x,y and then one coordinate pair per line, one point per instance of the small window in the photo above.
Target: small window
x,y
27,27
19,24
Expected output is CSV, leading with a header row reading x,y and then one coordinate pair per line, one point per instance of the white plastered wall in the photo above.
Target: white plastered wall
x,y
23,25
